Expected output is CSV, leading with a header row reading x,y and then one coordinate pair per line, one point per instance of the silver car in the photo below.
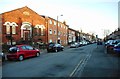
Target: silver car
x,y
74,45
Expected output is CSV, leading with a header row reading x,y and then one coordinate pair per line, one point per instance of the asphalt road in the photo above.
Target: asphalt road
x,y
102,64
86,61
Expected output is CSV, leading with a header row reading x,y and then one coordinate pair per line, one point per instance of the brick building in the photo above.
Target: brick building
x,y
57,31
22,23
26,25
71,35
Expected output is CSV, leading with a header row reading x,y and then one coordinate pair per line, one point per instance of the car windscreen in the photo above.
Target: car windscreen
x,y
12,50
57,45
51,45
116,41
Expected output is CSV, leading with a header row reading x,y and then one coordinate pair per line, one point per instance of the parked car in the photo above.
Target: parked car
x,y
99,43
74,45
117,48
111,45
80,44
84,43
108,42
53,47
20,52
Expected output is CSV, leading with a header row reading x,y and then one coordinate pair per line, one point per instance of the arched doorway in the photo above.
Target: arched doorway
x,y
26,31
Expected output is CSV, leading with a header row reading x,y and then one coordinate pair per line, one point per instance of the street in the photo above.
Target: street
x,y
85,61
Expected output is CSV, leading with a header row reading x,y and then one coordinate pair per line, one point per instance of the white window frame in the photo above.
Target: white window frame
x,y
9,26
58,24
55,23
50,31
14,25
13,29
7,29
50,40
61,25
50,21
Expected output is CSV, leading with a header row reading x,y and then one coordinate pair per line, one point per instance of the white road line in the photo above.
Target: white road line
x,y
76,68
82,62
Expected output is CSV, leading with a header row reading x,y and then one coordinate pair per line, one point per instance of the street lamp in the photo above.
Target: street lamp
x,y
57,28
46,24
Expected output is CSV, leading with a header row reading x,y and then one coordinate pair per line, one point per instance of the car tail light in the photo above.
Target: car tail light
x,y
111,47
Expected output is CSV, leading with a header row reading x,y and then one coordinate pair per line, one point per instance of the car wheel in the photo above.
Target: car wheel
x,y
38,54
62,49
21,58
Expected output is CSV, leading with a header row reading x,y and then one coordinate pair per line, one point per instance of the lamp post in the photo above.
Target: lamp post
x,y
57,28
46,24
11,36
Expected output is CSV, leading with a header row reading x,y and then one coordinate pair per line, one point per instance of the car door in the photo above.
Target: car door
x,y
31,51
24,51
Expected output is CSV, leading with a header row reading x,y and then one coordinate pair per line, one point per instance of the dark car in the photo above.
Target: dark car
x,y
108,42
52,47
99,43
20,52
111,45
117,48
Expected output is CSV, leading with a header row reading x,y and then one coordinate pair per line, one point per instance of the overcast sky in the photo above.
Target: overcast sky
x,y
92,16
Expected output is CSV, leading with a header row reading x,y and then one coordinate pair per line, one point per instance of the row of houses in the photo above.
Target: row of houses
x,y
113,35
24,24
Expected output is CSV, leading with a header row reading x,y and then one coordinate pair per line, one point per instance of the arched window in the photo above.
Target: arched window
x,y
13,24
10,25
40,29
13,29
7,24
7,29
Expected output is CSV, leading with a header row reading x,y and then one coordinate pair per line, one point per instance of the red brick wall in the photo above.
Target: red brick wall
x,y
53,27
61,29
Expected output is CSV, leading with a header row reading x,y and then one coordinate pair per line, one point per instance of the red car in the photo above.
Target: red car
x,y
20,52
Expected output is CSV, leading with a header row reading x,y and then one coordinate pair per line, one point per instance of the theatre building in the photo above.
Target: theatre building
x,y
22,24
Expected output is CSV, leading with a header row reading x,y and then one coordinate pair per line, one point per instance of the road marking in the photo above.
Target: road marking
x,y
82,62
76,68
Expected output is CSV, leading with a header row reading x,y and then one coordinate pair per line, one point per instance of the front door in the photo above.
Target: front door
x,y
26,35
